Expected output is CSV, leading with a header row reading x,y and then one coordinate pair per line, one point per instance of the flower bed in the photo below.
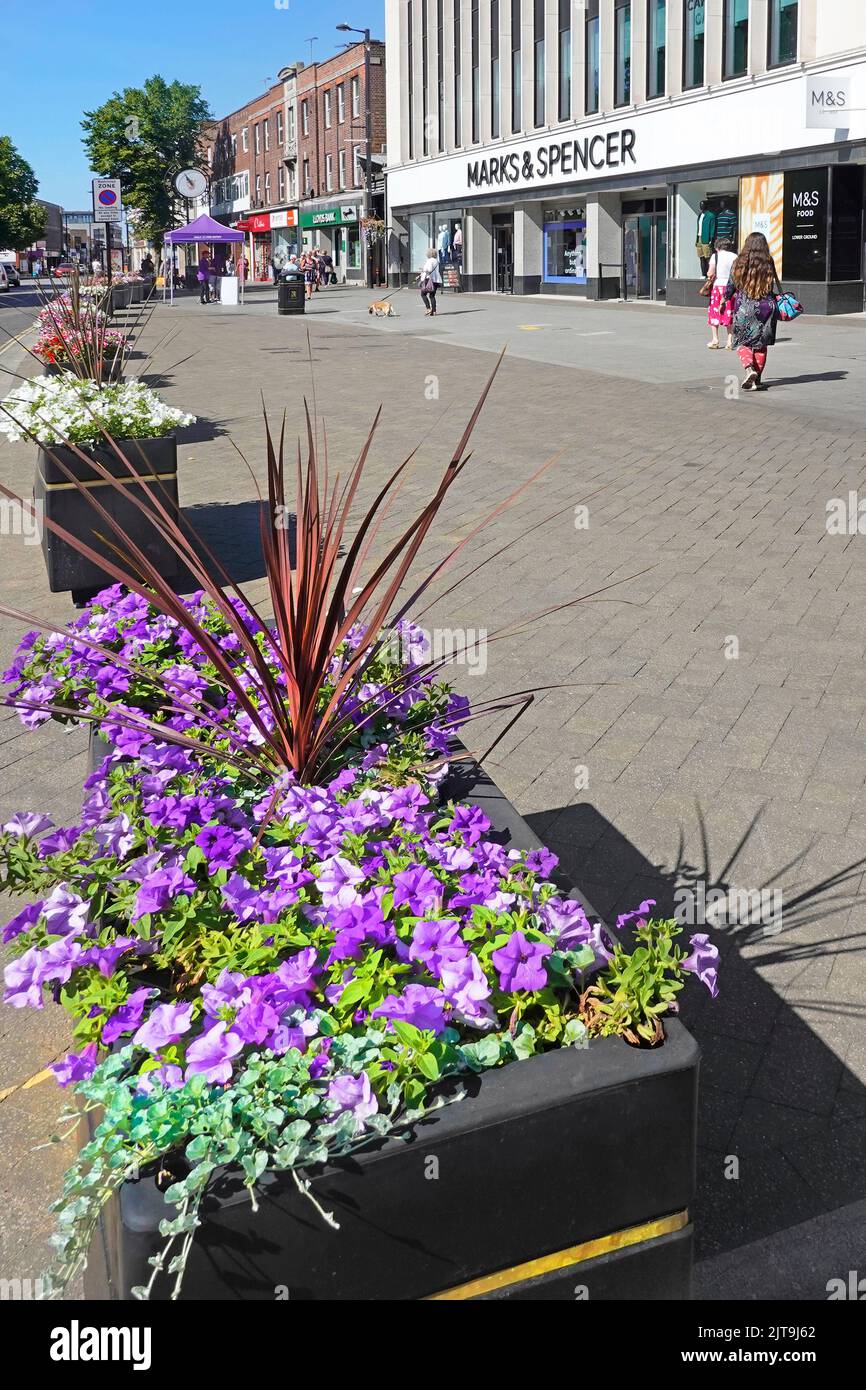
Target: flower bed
x,y
265,975
69,410
276,938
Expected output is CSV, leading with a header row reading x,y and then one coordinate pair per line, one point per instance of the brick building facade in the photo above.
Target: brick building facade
x,y
331,106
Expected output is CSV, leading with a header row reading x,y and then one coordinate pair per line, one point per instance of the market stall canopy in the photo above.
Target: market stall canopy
x,y
203,229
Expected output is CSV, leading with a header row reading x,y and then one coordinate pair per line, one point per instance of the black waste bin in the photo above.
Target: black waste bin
x,y
290,296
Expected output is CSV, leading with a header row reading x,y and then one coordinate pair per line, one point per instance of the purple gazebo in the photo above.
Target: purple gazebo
x,y
203,229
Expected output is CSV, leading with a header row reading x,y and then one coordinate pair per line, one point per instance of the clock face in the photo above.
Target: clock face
x,y
191,183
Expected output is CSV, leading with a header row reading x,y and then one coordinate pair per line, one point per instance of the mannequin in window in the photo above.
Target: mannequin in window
x,y
706,236
457,244
443,244
726,221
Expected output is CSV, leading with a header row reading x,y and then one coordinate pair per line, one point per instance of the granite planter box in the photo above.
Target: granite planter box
x,y
63,503
121,297
563,1177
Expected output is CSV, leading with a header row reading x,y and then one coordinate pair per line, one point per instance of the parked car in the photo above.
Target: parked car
x,y
65,268
11,272
4,278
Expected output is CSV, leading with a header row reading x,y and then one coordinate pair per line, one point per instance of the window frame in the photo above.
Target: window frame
x,y
774,8
592,21
726,75
620,7
651,53
689,7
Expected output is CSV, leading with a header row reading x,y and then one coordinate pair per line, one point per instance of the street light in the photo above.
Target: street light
x,y
368,139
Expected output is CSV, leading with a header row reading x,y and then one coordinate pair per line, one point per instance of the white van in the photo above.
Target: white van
x,y
4,279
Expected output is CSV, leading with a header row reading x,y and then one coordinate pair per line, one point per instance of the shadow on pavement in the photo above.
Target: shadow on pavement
x,y
230,531
773,1094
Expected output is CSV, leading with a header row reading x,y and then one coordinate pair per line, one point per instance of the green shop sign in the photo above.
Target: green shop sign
x,y
330,217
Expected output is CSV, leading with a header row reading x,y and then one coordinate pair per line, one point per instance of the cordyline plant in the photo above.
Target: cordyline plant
x,y
317,597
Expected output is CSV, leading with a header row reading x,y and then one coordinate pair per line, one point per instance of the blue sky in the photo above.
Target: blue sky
x,y
59,58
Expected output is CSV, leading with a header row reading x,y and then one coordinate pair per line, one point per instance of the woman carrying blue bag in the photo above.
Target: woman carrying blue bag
x,y
753,286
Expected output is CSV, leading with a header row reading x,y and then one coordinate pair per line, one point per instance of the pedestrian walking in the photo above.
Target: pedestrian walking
x,y
721,310
429,281
752,285
308,266
203,277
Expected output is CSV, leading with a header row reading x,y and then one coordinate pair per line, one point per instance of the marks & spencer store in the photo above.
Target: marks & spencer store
x,y
615,206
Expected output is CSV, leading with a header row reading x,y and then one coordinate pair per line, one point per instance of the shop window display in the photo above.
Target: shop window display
x,y
565,247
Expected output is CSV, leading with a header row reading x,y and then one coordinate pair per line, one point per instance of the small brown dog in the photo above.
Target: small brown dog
x,y
382,309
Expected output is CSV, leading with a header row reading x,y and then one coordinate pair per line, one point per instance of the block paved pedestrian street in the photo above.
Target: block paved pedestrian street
x,y
700,721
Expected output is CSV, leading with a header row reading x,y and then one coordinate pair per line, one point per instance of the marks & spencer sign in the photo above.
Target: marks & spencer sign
x,y
555,161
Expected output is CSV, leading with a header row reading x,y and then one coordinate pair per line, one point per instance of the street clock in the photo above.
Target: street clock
x,y
191,183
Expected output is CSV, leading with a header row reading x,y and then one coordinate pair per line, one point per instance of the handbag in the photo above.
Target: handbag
x,y
429,285
706,288
788,307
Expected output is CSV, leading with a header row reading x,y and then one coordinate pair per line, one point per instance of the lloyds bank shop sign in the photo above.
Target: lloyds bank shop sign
x,y
555,160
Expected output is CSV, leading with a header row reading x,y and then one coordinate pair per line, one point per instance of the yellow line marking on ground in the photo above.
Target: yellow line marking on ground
x,y
531,327
46,1075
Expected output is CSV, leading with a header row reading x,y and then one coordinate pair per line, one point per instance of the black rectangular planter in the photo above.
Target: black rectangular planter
x,y
564,1177
64,504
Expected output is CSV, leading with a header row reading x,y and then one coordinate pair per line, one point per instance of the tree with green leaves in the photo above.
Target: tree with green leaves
x,y
22,219
139,136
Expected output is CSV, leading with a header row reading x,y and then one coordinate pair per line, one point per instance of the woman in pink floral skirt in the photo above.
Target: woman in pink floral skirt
x,y
721,311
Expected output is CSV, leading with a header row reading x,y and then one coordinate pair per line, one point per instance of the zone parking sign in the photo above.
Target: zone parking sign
x,y
107,205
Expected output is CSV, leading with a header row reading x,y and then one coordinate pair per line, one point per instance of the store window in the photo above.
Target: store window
x,y
593,57
516,70
622,47
494,69
564,60
538,60
565,246
784,15
420,238
353,248
656,25
693,42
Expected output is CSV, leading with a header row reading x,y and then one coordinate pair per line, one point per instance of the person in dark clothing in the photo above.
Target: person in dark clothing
x,y
706,236
203,276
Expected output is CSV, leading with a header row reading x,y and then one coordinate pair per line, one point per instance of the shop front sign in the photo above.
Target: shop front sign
x,y
805,225
558,159
828,101
286,217
330,217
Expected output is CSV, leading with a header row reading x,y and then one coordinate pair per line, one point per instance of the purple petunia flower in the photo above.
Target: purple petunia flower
x,y
521,963
418,889
170,1077
471,822
26,824
165,1025
437,943
542,862
160,888
65,913
703,961
419,1005
211,1055
221,846
337,882
353,1095
77,1066
127,1017
468,990
22,921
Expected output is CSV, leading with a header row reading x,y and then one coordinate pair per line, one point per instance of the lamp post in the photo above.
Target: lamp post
x,y
368,136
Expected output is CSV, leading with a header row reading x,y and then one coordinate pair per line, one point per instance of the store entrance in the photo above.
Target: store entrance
x,y
503,256
645,255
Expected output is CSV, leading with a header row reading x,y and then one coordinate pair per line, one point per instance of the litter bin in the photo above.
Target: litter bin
x,y
290,296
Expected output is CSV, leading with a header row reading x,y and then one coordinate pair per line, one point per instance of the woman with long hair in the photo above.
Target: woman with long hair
x,y
751,286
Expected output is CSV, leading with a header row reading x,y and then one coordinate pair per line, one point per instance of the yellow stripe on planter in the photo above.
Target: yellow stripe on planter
x,y
564,1259
105,482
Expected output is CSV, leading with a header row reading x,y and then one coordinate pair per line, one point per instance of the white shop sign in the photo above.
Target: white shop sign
x,y
659,141
828,101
